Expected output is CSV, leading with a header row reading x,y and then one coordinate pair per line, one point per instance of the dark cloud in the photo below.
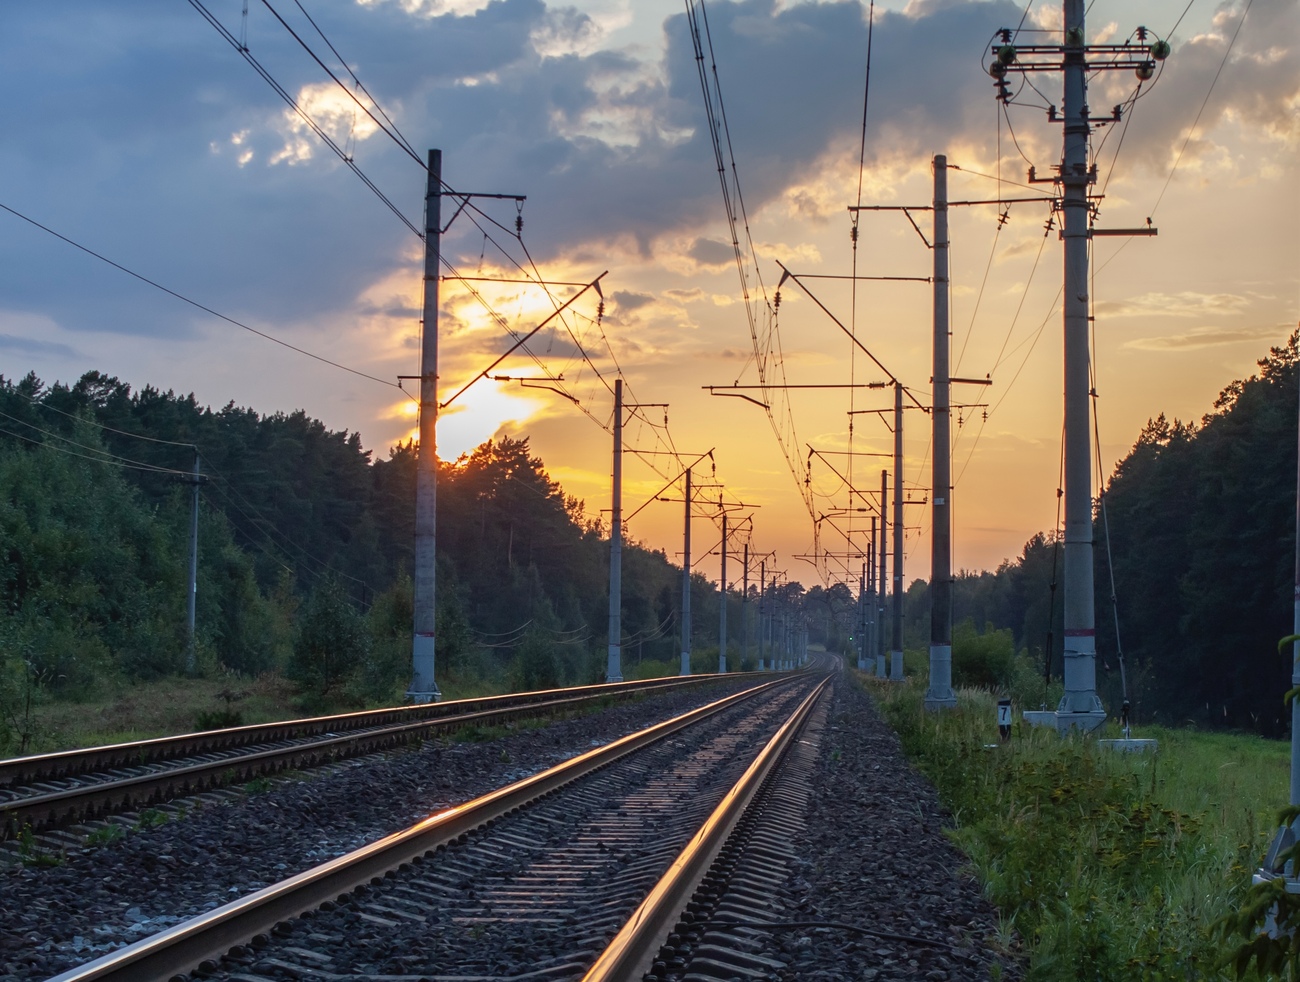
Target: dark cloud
x,y
121,137
27,346
711,252
1208,337
629,300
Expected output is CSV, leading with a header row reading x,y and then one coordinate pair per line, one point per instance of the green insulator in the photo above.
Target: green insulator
x,y
1007,54
1161,50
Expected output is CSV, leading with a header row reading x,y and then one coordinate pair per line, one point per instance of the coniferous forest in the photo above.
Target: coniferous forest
x,y
305,549
1202,525
305,552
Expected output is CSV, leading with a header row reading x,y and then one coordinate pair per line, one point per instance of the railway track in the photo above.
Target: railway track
x,y
534,880
49,791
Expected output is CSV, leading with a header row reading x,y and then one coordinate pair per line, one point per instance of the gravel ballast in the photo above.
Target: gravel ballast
x,y
878,891
95,900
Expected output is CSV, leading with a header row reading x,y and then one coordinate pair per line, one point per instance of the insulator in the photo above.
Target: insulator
x,y
998,70
600,311
519,224
853,234
1161,50
1006,35
1074,36
1146,70
776,297
1007,54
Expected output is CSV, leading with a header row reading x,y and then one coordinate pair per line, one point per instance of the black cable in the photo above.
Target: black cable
x,y
1204,103
303,114
114,458
91,422
396,134
109,459
193,303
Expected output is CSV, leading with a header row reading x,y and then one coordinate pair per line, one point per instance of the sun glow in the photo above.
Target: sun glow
x,y
481,413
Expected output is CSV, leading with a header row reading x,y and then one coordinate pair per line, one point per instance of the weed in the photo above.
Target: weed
x,y
218,719
258,785
32,853
105,836
479,734
1108,866
150,818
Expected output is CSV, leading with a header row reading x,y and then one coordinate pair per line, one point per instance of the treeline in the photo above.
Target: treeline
x,y
305,551
1202,535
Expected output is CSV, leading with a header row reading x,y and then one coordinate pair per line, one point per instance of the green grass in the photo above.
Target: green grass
x,y
1103,865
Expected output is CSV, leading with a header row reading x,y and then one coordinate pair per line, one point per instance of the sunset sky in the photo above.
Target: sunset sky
x,y
136,130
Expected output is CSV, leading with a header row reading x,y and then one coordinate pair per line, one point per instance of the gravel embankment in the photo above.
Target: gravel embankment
x,y
52,919
872,860
874,856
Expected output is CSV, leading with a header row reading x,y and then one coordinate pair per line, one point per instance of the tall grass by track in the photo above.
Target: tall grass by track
x,y
1104,865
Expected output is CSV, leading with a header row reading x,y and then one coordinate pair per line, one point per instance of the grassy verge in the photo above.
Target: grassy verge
x,y
174,705
1104,865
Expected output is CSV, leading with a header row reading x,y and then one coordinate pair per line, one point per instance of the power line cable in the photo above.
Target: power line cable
x,y
117,458
303,114
1204,102
111,460
98,425
194,303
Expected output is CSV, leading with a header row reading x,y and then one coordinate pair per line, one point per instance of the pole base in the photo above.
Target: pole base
x,y
934,701
1131,745
424,697
1084,722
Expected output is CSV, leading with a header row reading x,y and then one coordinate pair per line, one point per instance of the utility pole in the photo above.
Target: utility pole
x,y
1079,705
1295,646
614,665
762,612
722,627
744,611
882,551
686,584
191,657
872,612
940,694
896,652
862,619
423,687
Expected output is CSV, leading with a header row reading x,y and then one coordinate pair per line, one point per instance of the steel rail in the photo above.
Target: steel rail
x,y
95,799
205,938
48,810
631,954
72,763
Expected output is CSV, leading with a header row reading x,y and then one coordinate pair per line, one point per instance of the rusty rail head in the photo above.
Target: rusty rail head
x,y
631,954
209,936
69,763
